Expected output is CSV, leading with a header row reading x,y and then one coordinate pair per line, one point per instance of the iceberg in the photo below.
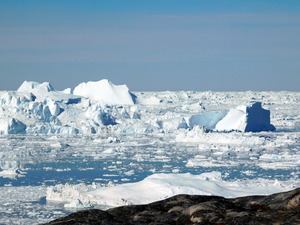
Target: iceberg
x,y
106,92
250,118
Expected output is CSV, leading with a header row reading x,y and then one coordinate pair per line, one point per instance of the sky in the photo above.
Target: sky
x,y
152,45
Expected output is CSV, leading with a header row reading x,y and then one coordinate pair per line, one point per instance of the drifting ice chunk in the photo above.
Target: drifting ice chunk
x,y
251,118
11,126
105,92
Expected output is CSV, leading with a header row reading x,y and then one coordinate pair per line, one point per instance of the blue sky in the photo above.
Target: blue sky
x,y
152,45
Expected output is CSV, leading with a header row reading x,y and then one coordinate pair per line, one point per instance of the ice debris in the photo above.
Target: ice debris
x,y
103,107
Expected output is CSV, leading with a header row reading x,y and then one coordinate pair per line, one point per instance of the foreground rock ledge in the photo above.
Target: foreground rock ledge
x,y
281,208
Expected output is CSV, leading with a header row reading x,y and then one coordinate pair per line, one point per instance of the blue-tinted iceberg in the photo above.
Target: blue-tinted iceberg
x,y
250,118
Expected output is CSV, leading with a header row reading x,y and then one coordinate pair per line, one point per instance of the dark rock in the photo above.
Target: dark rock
x,y
281,208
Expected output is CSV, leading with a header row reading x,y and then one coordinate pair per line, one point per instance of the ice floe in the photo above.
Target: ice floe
x,y
161,186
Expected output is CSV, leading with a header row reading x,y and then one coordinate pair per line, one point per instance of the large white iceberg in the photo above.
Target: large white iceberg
x,y
106,92
250,118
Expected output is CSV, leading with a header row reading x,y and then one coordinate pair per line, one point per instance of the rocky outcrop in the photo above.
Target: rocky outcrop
x,y
281,208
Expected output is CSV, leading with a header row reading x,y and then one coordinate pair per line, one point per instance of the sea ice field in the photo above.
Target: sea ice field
x,y
100,145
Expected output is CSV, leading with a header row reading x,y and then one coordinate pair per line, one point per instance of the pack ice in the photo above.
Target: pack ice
x,y
94,107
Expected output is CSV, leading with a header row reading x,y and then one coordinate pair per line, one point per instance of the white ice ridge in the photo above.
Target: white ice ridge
x,y
161,186
106,92
99,107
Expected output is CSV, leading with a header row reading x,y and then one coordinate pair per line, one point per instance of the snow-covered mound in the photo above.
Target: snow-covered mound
x,y
105,92
161,186
250,118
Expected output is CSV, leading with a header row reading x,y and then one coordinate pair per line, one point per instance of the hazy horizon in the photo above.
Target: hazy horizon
x,y
152,45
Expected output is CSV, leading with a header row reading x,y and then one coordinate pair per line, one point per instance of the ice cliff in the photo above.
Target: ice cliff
x,y
102,107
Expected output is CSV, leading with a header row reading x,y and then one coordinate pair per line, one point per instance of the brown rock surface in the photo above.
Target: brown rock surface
x,y
276,209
